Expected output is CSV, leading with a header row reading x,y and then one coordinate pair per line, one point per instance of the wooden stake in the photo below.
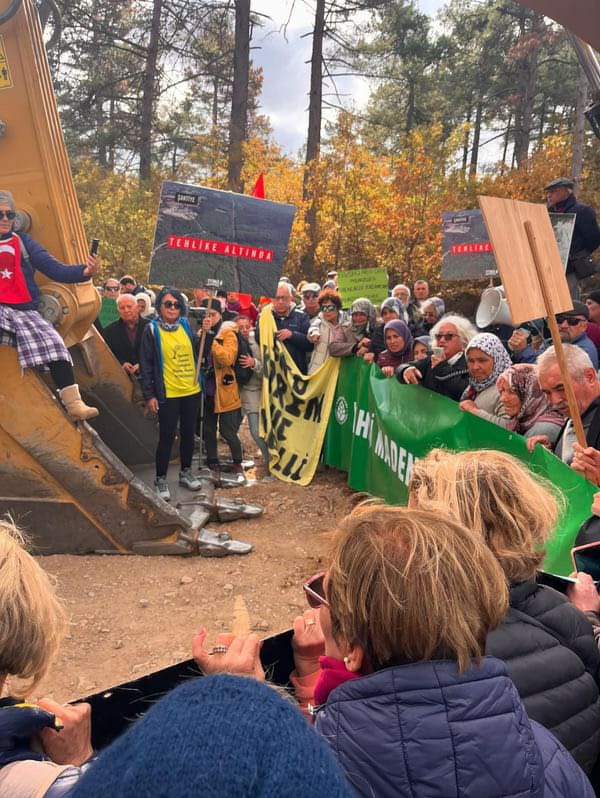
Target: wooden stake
x,y
202,345
556,339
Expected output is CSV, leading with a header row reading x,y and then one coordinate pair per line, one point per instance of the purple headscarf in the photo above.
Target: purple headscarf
x,y
387,358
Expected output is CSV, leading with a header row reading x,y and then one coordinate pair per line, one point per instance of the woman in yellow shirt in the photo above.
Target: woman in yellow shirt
x,y
168,380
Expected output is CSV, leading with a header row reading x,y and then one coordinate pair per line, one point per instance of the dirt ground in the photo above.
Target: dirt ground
x,y
131,615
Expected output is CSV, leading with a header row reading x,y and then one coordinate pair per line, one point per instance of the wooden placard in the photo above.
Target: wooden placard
x,y
505,220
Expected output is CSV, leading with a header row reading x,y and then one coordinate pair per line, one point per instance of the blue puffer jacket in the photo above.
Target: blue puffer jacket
x,y
42,260
425,731
18,724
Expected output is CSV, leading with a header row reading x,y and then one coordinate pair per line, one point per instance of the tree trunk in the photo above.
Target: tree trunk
x,y
148,94
579,126
505,148
239,98
476,140
465,155
527,72
313,141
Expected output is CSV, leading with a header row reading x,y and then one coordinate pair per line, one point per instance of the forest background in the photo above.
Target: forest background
x,y
166,89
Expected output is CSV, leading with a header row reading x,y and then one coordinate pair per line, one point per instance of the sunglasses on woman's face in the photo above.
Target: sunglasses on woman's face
x,y
8,215
168,304
315,591
328,307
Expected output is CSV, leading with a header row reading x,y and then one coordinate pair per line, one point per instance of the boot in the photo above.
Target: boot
x,y
74,404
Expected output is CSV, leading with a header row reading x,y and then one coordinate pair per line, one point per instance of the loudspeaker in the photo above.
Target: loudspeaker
x,y
493,309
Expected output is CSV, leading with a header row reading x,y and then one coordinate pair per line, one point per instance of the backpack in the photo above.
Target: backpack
x,y
242,373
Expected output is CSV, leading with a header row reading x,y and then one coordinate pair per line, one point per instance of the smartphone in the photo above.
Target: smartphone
x,y
587,558
560,583
438,351
94,246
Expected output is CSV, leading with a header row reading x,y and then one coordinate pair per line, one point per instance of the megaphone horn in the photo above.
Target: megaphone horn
x,y
493,309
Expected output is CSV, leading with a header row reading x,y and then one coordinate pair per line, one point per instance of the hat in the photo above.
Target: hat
x,y
314,287
212,304
560,182
332,274
594,296
579,309
217,735
127,278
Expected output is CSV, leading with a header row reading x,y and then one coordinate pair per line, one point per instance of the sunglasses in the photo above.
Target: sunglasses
x,y
445,336
309,295
571,321
8,215
168,304
111,288
328,307
315,592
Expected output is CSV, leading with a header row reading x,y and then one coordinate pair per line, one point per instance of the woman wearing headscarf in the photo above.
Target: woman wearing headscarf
x,y
486,360
528,410
353,337
391,308
398,341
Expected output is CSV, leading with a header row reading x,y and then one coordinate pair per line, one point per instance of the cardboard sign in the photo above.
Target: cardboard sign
x,y
467,252
369,283
505,221
206,237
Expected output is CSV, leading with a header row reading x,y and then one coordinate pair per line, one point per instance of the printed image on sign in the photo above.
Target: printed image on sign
x,y
467,250
5,79
369,283
217,238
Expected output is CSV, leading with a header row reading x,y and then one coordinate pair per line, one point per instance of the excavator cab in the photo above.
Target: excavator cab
x,y
76,487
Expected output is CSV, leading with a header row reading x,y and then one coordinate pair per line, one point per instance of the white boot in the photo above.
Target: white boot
x,y
74,404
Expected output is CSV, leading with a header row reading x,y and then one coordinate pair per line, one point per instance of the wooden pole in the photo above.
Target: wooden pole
x,y
202,344
556,339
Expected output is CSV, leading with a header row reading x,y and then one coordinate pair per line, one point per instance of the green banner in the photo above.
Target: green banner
x,y
378,428
370,283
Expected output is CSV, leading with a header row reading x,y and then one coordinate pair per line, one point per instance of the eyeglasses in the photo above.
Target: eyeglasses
x,y
168,304
111,288
309,295
315,592
328,307
571,321
445,336
8,215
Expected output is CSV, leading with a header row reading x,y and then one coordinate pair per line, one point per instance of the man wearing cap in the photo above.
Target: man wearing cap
x,y
593,305
572,325
586,234
310,299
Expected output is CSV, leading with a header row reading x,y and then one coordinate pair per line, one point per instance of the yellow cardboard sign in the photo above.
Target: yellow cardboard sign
x,y
5,79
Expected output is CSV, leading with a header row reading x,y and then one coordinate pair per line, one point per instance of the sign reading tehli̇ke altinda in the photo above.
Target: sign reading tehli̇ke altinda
x,y
207,237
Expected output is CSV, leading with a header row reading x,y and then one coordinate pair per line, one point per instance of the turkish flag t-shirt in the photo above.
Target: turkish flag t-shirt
x,y
13,286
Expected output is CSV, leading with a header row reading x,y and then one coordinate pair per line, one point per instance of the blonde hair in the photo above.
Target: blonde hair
x,y
412,585
497,498
32,619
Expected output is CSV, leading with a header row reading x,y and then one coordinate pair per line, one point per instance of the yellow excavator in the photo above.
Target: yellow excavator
x,y
72,486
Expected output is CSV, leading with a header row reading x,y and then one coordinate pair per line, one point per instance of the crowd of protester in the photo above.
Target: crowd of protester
x,y
431,661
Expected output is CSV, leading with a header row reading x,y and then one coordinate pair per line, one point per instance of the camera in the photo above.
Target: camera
x,y
228,379
198,314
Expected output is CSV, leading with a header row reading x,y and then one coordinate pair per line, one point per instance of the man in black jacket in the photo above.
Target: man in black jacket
x,y
124,336
586,234
292,326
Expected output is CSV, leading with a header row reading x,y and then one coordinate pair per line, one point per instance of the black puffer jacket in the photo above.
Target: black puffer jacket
x,y
550,653
449,380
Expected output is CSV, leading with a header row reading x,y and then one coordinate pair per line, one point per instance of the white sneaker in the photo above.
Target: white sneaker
x,y
162,488
188,480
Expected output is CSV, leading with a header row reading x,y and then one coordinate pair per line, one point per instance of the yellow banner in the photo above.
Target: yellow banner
x,y
294,407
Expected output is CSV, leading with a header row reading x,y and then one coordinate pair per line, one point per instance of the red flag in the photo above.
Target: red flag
x,y
259,187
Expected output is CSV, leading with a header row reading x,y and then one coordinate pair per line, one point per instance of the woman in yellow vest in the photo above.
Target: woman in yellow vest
x,y
168,379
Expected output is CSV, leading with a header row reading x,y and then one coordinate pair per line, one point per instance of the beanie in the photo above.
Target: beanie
x,y
217,736
212,303
594,296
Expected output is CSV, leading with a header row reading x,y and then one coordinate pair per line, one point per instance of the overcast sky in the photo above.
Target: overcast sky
x,y
287,71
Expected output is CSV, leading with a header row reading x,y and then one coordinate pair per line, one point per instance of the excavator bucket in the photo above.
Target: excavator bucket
x,y
73,486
